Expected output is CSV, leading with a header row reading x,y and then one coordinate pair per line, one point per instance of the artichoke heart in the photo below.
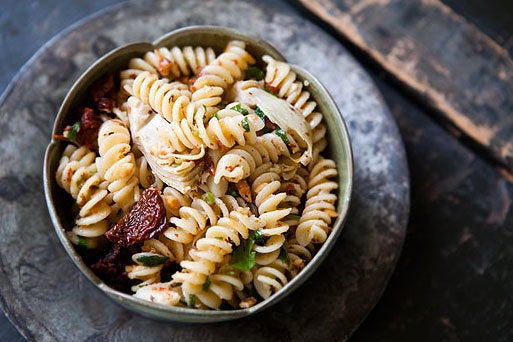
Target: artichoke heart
x,y
283,114
153,136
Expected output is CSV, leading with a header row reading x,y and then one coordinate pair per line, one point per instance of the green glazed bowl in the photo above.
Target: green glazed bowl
x,y
59,204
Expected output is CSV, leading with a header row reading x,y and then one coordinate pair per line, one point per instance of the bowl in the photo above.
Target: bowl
x,y
59,204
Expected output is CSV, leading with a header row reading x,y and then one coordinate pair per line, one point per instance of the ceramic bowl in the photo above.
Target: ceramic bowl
x,y
60,203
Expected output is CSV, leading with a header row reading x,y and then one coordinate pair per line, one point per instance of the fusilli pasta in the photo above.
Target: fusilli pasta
x,y
240,202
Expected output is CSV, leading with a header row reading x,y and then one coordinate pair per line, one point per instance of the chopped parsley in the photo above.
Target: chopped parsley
x,y
269,91
243,257
261,240
152,260
82,242
192,301
215,115
80,181
285,257
209,198
292,217
206,284
260,113
234,193
245,124
240,109
255,72
281,133
71,134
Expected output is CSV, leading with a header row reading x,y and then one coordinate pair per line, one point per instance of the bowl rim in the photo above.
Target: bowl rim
x,y
172,313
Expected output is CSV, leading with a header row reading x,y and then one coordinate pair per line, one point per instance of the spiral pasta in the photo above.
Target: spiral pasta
x,y
295,187
170,63
117,164
241,161
215,77
175,62
283,80
320,204
270,279
240,187
267,199
147,274
210,251
145,175
298,256
77,174
166,98
228,127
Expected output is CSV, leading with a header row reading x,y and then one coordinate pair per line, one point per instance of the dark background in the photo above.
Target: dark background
x,y
437,291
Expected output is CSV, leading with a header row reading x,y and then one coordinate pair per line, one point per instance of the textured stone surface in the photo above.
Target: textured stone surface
x,y
454,278
48,299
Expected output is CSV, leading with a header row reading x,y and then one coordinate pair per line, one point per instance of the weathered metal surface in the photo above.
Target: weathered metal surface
x,y
46,297
445,61
454,279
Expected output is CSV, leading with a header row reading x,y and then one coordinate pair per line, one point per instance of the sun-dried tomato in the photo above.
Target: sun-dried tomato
x,y
105,104
146,220
111,267
104,87
272,89
208,164
90,123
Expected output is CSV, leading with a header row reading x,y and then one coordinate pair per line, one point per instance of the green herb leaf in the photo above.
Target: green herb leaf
x,y
209,198
260,113
152,260
260,239
71,134
285,258
80,181
192,300
243,257
82,242
267,129
255,72
215,115
234,193
240,109
269,91
206,284
245,124
219,238
281,133
292,217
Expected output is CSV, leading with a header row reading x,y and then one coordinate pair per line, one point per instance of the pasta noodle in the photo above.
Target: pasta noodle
x,y
239,214
281,78
116,163
269,279
77,174
320,204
